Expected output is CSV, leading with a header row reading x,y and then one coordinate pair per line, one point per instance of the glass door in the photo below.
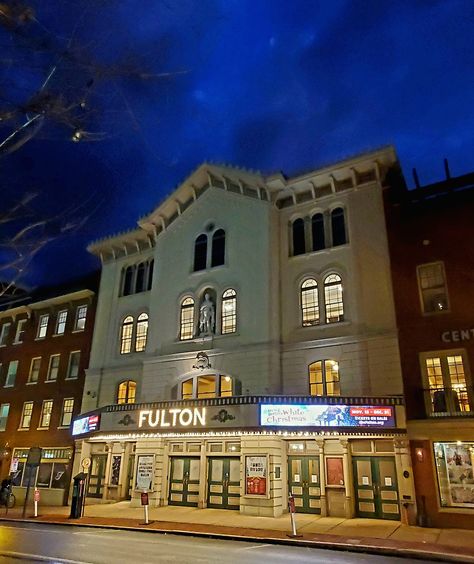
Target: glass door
x,y
184,481
304,483
223,483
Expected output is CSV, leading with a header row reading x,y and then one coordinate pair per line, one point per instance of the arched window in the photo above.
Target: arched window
x,y
338,227
210,386
218,248
140,278
200,252
127,392
128,281
317,231
333,300
324,378
229,311
299,246
126,335
187,319
151,265
141,333
309,302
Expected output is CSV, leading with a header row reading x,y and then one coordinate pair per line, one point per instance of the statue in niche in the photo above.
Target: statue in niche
x,y
206,316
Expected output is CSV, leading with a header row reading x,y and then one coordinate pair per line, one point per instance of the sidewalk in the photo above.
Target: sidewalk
x,y
362,535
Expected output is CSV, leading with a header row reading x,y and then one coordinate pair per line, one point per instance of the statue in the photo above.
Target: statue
x,y
206,316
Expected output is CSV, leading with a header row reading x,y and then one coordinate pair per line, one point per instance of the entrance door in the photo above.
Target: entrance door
x,y
304,483
223,483
376,487
97,475
184,481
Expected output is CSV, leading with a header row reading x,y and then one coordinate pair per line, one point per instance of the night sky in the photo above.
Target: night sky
x,y
269,85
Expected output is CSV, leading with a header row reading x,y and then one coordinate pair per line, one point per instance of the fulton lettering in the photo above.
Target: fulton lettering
x,y
177,417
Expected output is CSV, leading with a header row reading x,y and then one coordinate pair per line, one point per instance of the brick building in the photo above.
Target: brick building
x,y
430,237
44,348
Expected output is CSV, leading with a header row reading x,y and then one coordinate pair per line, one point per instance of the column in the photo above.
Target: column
x,y
322,478
349,502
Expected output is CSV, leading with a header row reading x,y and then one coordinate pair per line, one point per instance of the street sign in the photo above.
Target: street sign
x,y
144,498
34,456
85,463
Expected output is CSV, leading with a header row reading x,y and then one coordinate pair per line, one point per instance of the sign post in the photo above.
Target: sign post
x,y
85,463
36,498
145,502
32,463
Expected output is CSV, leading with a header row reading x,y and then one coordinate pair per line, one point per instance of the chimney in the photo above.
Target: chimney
x,y
446,169
415,178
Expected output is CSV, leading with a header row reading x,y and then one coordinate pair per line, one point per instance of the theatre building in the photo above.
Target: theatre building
x,y
45,340
430,230
245,347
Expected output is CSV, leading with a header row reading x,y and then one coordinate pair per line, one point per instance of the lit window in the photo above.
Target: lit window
x,y
20,331
73,368
66,414
81,314
206,387
309,302
34,370
126,335
432,286
4,334
53,367
26,415
127,392
299,244
187,389
453,463
42,326
61,322
324,378
209,386
11,374
142,330
226,386
447,384
218,248
187,319
46,411
4,410
317,229
338,227
333,298
229,311
200,252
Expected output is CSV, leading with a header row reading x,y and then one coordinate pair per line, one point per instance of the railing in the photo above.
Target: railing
x,y
455,401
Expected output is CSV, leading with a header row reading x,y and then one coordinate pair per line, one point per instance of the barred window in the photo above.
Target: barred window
x,y
309,302
187,319
142,331
229,311
333,298
126,335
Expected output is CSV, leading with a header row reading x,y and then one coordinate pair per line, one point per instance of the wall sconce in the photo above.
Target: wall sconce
x,y
420,454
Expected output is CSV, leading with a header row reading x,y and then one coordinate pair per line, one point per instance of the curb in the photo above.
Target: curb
x,y
361,546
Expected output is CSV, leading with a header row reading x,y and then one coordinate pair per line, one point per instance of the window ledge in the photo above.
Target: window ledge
x,y
78,330
50,381
64,426
72,378
59,334
325,251
9,386
31,383
40,338
15,343
326,325
4,345
42,428
23,429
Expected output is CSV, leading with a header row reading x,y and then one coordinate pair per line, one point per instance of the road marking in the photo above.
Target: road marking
x,y
254,547
27,556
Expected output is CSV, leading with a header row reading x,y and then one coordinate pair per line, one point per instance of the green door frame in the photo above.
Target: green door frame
x,y
376,487
98,487
225,483
185,481
305,483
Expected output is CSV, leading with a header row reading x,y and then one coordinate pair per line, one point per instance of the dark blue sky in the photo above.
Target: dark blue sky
x,y
270,85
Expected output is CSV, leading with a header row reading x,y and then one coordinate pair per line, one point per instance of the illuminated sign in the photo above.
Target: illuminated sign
x,y
85,425
325,415
174,417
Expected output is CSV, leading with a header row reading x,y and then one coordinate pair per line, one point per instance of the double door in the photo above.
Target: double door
x,y
376,489
184,481
223,483
304,483
97,475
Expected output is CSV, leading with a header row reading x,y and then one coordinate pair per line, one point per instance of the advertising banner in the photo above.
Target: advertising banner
x,y
145,472
323,415
85,425
256,475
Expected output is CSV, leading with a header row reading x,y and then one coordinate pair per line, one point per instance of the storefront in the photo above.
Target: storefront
x,y
338,456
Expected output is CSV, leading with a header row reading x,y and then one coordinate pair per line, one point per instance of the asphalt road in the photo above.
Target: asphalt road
x,y
72,544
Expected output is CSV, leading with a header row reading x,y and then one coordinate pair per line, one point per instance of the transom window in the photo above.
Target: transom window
x,y
229,311
209,386
432,287
310,302
324,378
187,319
127,392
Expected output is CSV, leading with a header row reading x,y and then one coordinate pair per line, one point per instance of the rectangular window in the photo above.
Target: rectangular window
x,y
4,409
73,368
26,415
81,314
4,334
53,367
61,322
46,411
20,331
11,375
446,383
42,326
206,387
66,415
454,469
432,287
34,370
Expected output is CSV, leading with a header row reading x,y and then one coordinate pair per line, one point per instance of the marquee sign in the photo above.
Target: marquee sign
x,y
174,417
85,425
324,415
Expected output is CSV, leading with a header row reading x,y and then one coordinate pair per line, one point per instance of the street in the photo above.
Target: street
x,y
32,543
